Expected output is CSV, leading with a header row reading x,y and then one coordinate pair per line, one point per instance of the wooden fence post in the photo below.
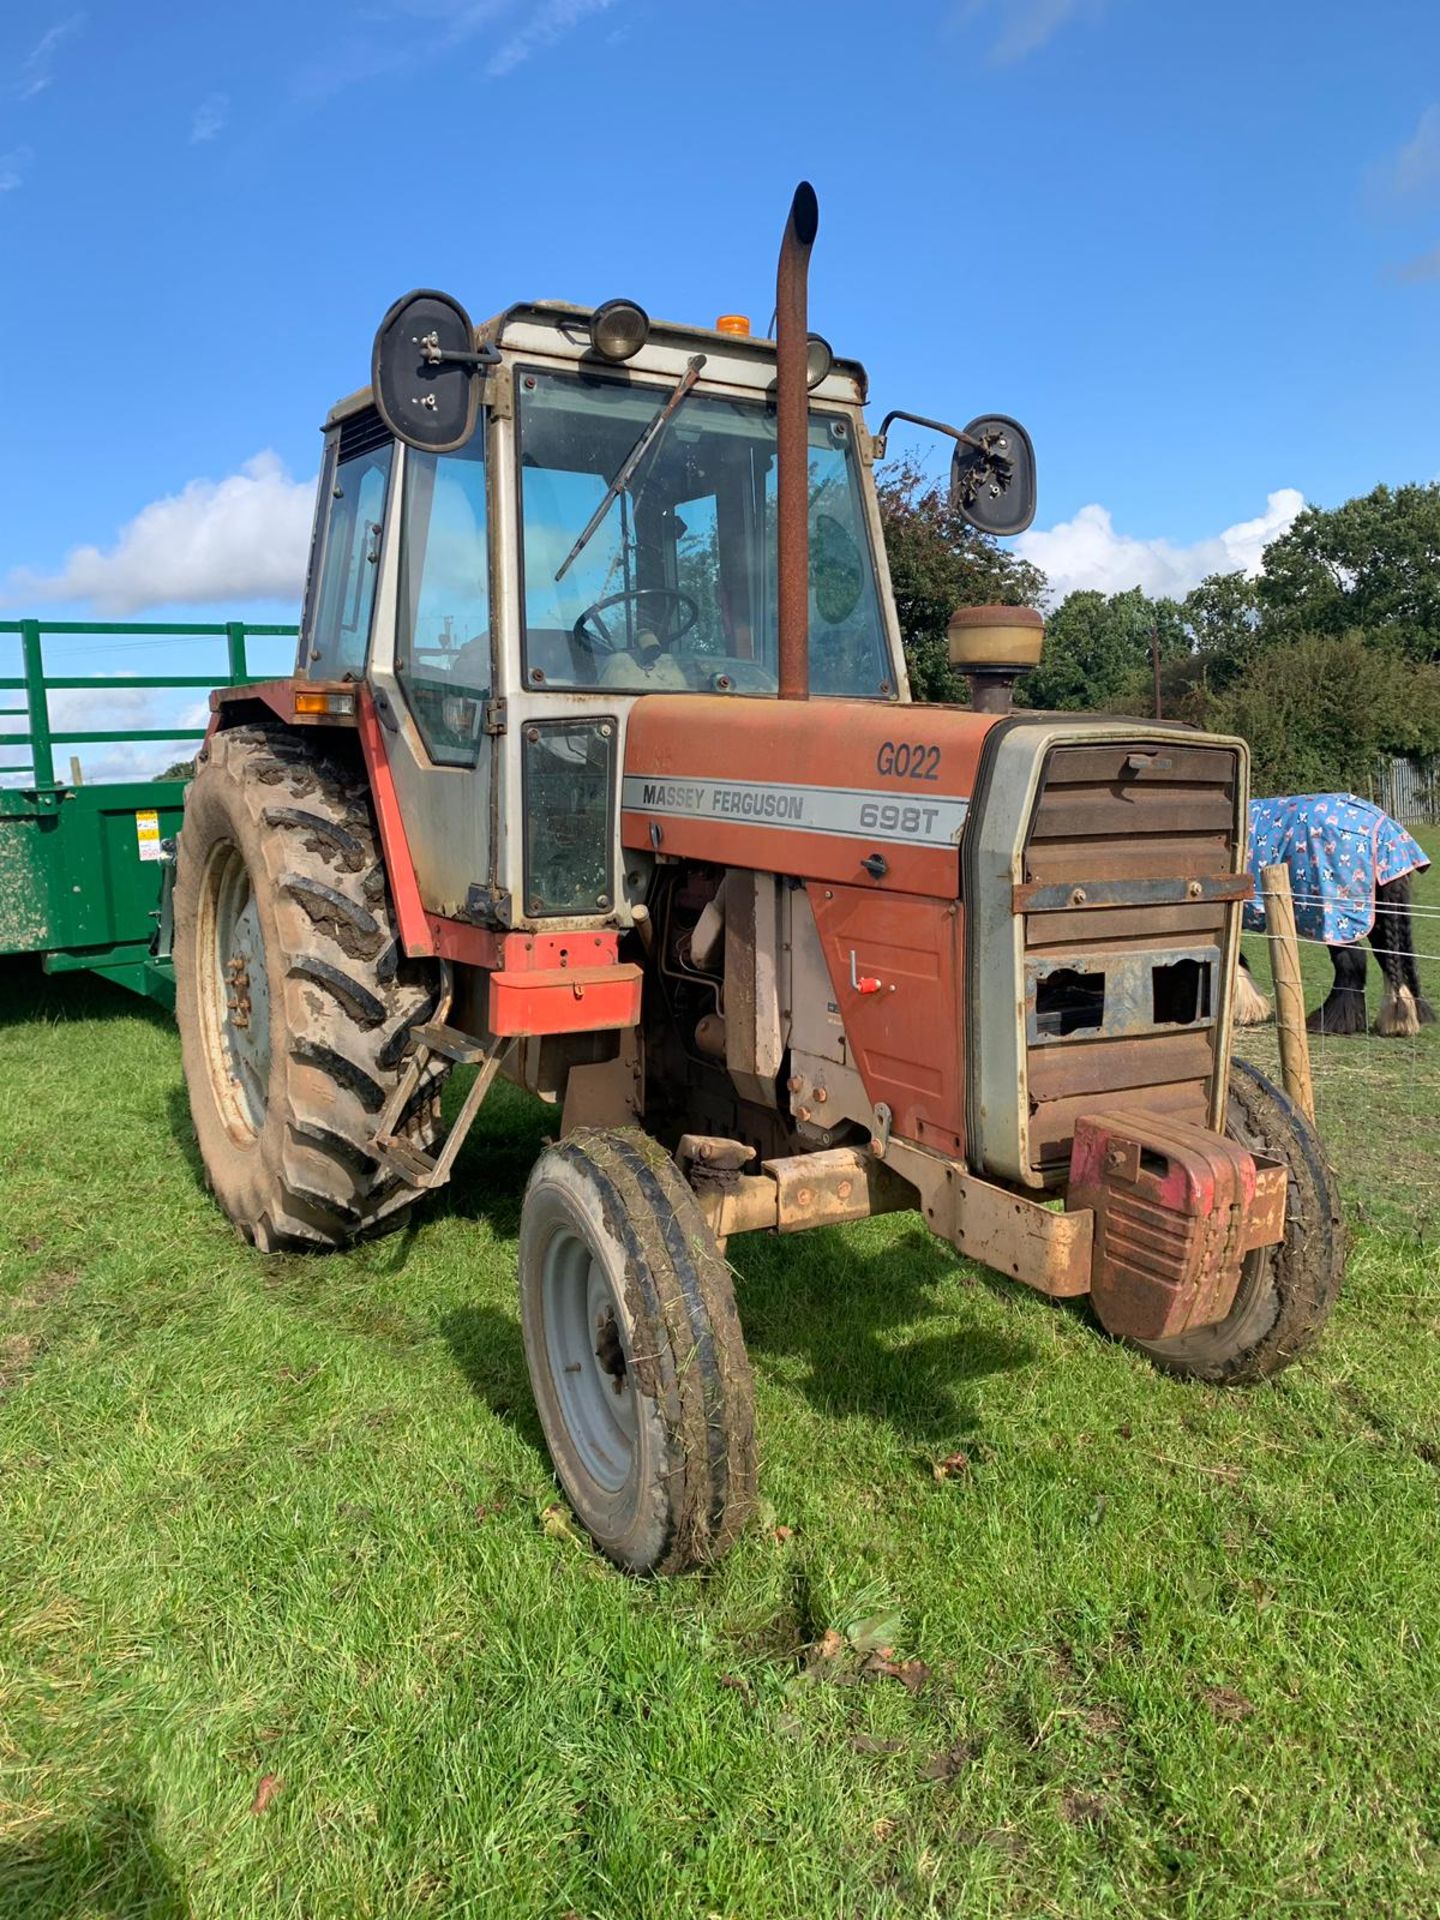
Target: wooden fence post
x,y
1289,993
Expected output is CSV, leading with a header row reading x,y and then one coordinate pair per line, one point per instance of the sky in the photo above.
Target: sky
x,y
1193,244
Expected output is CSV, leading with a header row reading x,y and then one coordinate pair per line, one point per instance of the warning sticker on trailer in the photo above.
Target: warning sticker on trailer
x,y
147,835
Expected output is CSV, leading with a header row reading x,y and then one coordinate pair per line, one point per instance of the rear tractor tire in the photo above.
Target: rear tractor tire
x,y
635,1353
294,1003
1286,1291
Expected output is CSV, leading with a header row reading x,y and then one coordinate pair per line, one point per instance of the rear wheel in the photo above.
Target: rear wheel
x,y
1286,1291
635,1353
294,1005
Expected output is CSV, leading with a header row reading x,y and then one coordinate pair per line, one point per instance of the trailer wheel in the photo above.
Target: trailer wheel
x,y
635,1353
1286,1291
294,1006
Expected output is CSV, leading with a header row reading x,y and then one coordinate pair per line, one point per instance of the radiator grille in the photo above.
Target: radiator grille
x,y
1128,813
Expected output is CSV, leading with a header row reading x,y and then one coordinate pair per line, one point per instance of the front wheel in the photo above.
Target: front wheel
x,y
635,1353
1286,1291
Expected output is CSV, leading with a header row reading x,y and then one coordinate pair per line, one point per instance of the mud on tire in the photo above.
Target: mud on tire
x,y
294,1003
635,1352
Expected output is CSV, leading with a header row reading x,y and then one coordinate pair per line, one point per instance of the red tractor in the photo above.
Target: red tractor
x,y
598,768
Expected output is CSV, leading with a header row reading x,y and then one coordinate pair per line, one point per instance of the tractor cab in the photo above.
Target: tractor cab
x,y
506,587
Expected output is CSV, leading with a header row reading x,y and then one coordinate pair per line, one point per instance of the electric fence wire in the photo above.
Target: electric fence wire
x,y
1401,1073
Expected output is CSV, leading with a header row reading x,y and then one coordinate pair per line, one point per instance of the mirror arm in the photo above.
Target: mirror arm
x,y
919,420
435,355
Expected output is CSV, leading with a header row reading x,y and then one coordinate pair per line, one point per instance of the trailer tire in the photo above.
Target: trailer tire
x,y
635,1353
294,1004
1286,1291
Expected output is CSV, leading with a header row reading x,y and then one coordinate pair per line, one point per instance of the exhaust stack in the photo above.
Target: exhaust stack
x,y
792,411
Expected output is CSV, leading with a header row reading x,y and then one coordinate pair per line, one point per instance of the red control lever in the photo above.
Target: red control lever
x,y
862,982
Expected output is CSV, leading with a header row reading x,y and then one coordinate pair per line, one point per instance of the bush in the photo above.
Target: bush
x,y
938,563
1321,711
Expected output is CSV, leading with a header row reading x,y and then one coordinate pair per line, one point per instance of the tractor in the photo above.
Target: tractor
x,y
599,769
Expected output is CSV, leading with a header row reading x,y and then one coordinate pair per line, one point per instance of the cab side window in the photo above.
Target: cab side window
x,y
442,652
339,627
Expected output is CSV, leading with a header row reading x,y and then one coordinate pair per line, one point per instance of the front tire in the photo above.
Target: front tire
x,y
1286,1291
635,1353
294,1004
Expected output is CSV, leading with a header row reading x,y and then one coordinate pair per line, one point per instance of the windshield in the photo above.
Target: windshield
x,y
675,590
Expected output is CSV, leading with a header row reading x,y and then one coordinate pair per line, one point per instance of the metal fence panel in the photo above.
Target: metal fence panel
x,y
1409,790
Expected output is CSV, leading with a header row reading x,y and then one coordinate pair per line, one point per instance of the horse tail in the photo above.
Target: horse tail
x,y
1406,1009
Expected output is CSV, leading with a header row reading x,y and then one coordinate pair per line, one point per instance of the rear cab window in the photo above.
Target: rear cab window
x,y
342,598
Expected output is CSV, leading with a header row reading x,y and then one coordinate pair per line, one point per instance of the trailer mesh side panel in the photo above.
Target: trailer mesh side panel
x,y
1106,1028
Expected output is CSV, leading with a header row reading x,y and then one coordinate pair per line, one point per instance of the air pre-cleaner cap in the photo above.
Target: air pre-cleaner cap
x,y
995,637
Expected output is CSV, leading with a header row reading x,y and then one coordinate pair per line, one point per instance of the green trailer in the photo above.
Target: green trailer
x,y
82,865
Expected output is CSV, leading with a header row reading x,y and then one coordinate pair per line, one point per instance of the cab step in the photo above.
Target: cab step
x,y
451,1042
401,1157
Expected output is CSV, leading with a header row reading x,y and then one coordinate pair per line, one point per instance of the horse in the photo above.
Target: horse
x,y
1350,871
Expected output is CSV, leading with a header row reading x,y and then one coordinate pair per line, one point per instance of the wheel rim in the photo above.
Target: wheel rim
x,y
588,1359
235,992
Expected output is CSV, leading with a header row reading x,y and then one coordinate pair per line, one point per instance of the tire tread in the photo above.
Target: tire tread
x,y
304,822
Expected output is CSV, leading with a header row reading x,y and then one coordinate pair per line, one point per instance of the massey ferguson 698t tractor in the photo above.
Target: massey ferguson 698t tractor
x,y
598,768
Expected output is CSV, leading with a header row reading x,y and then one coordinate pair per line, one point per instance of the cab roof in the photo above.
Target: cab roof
x,y
560,328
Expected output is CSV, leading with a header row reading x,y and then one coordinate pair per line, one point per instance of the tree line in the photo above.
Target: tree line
x,y
1327,661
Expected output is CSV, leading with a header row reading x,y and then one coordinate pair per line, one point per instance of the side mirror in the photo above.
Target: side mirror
x,y
425,371
992,475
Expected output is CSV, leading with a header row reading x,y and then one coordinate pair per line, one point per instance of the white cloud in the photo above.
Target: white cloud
x,y
209,117
112,709
400,35
35,68
217,541
403,35
1416,167
1088,552
12,168
1024,26
1425,266
91,709
550,22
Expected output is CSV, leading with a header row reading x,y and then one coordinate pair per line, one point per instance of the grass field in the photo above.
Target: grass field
x,y
291,1626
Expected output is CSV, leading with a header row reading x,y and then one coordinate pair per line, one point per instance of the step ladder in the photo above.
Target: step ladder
x,y
400,1156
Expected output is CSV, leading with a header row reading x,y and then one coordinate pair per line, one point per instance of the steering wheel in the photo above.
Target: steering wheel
x,y
591,632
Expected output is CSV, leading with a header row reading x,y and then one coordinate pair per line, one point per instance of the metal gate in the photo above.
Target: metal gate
x,y
1409,790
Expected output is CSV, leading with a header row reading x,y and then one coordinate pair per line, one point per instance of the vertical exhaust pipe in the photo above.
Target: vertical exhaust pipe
x,y
792,437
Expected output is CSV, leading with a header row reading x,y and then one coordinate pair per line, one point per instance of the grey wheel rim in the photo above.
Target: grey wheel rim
x,y
235,992
589,1360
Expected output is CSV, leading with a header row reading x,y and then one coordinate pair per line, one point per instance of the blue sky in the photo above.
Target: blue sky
x,y
1194,244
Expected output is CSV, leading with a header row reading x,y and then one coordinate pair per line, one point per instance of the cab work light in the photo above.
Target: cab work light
x,y
819,358
619,329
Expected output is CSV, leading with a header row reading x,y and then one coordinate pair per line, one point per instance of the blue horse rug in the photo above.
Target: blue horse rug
x,y
1338,849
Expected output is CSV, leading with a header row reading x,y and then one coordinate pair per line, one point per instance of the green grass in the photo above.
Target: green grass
x,y
286,1518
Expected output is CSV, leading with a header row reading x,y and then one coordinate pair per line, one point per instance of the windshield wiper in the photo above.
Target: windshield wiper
x,y
632,460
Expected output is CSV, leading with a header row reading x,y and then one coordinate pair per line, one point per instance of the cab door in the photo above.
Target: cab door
x,y
433,671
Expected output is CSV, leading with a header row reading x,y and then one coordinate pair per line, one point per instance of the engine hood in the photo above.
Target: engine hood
x,y
815,788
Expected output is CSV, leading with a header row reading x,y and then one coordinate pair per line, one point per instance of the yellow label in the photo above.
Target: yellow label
x,y
147,835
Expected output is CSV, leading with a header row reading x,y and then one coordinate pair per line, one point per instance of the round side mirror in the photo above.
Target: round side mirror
x,y
992,478
424,371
